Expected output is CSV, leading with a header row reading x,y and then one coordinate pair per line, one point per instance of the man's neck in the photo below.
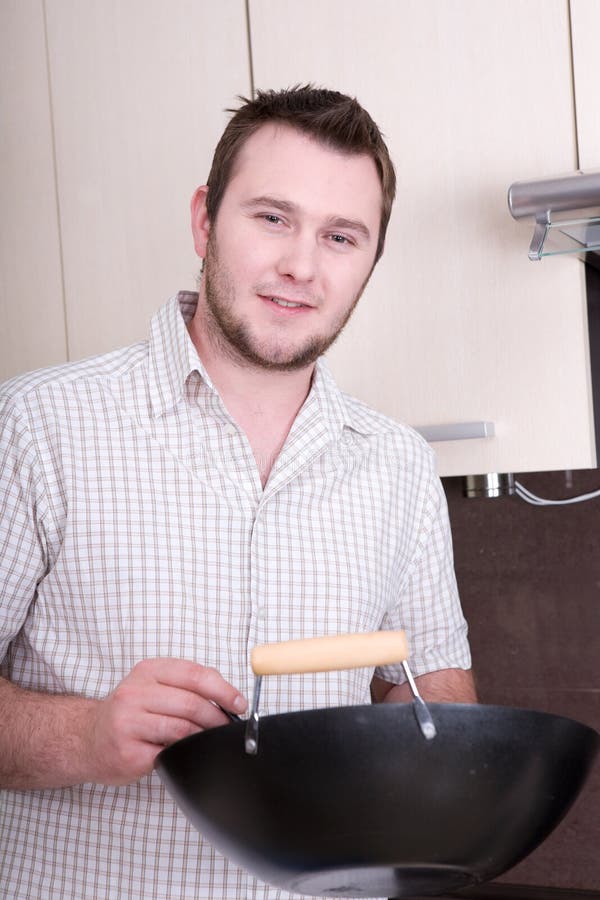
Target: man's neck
x,y
263,402
239,381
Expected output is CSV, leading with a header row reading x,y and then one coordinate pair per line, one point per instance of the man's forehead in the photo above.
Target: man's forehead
x,y
281,137
277,132
278,157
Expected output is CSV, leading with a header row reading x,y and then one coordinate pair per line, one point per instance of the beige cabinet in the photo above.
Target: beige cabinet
x,y
32,322
113,113
457,324
585,24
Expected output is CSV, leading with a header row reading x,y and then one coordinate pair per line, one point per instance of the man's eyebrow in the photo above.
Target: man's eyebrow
x,y
349,225
273,202
336,222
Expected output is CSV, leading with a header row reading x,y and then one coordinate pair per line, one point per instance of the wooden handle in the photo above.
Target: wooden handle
x,y
324,654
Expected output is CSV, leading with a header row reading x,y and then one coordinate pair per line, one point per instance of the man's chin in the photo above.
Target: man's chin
x,y
291,361
278,357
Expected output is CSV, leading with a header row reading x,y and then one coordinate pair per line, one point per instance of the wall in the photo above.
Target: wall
x,y
530,584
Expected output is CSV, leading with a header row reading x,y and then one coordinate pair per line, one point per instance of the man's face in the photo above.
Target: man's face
x,y
291,249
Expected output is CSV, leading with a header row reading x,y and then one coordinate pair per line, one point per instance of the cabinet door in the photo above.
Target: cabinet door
x,y
32,322
139,90
585,23
457,324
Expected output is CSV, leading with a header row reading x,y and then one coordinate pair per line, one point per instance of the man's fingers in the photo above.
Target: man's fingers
x,y
203,681
186,705
161,730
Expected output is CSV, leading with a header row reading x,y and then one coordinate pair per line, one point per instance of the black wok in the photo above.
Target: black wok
x,y
355,802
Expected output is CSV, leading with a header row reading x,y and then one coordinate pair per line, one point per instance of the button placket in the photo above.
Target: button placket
x,y
257,573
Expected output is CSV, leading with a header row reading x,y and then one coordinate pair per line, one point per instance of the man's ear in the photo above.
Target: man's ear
x,y
200,223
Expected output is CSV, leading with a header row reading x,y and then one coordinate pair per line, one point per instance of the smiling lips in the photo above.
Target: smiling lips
x,y
288,303
282,303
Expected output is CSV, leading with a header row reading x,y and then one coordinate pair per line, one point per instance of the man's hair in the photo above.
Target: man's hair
x,y
335,120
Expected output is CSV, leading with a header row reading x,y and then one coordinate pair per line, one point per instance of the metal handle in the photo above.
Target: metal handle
x,y
327,654
330,653
457,431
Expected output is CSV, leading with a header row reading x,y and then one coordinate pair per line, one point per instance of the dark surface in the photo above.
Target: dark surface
x,y
518,892
355,802
529,580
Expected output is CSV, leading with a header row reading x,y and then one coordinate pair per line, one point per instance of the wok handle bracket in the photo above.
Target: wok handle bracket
x,y
420,708
251,735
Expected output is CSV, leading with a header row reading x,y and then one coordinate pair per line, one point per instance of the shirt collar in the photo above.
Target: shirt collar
x,y
172,355
331,401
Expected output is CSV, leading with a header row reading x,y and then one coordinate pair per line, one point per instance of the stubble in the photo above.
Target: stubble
x,y
232,336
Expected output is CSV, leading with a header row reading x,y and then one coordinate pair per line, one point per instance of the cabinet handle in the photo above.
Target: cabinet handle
x,y
458,431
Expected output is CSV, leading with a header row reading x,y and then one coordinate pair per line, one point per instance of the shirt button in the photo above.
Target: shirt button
x,y
229,429
262,612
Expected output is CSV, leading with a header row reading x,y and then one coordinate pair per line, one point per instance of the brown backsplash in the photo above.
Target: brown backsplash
x,y
529,579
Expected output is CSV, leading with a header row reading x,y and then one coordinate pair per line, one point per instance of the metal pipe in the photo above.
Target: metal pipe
x,y
536,198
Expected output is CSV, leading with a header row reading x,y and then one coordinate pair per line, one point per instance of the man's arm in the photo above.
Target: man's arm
x,y
50,741
445,686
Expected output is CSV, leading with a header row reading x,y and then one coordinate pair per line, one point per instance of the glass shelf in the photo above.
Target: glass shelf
x,y
573,236
578,236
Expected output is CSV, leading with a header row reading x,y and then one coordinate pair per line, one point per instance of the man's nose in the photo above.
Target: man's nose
x,y
299,258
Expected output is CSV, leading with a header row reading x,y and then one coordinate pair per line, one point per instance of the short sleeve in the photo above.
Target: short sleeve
x,y
428,606
22,502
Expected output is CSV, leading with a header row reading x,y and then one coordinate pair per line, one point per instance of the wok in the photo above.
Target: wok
x,y
355,802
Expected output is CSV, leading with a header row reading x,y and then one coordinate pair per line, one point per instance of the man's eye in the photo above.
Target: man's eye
x,y
271,218
340,239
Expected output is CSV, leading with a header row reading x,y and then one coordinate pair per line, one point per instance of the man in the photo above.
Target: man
x,y
168,506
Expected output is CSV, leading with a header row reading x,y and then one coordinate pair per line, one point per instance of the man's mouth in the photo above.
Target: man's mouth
x,y
289,304
284,303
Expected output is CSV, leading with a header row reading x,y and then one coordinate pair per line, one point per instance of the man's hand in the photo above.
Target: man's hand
x,y
55,741
159,702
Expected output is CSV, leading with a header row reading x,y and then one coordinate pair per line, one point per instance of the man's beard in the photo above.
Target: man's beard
x,y
233,336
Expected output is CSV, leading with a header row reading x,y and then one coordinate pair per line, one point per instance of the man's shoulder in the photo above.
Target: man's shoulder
x,y
73,376
370,421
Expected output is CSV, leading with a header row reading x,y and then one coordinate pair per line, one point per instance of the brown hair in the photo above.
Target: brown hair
x,y
333,119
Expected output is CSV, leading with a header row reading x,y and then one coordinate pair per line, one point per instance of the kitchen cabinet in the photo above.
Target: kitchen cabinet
x,y
585,25
114,110
130,100
457,324
32,326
